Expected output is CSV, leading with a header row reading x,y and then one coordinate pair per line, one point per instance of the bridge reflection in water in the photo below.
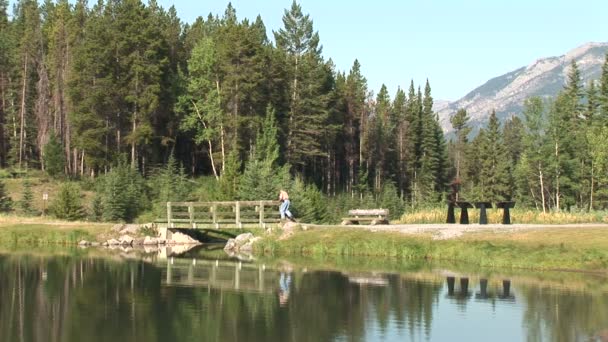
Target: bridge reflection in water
x,y
220,274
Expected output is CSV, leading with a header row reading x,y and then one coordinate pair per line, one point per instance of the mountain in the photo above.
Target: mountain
x,y
506,94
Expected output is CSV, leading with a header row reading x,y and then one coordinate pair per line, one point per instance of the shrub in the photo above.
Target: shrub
x,y
68,205
6,202
27,199
54,158
123,194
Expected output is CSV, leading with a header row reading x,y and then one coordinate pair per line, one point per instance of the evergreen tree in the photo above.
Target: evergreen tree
x,y
494,175
263,177
460,122
532,171
307,113
431,180
6,203
54,158
354,97
27,199
123,193
603,93
389,199
96,208
170,184
68,203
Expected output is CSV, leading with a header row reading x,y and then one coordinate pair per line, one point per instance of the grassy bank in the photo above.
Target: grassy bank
x,y
558,248
41,231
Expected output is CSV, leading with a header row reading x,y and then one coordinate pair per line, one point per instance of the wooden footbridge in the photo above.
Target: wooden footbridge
x,y
219,215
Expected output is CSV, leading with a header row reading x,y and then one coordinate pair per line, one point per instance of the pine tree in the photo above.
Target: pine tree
x,y
307,113
533,174
494,172
6,203
263,177
68,203
355,96
123,193
27,199
54,157
97,208
433,157
603,93
460,122
7,66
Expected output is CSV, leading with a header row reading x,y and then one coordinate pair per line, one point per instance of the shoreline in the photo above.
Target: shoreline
x,y
562,247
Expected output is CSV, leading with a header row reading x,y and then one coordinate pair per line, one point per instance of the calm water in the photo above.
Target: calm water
x,y
208,297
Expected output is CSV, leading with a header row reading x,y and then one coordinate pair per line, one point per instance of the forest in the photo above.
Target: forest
x,y
122,99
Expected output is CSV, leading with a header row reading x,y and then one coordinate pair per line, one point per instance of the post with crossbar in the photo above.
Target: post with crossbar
x,y
262,215
237,209
169,216
214,216
191,215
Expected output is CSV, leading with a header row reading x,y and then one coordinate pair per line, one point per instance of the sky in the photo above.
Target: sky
x,y
457,44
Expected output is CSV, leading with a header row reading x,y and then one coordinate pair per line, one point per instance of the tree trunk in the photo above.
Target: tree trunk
x,y
591,190
542,187
133,156
22,112
557,174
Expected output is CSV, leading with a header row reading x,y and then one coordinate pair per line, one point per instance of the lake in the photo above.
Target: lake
x,y
97,295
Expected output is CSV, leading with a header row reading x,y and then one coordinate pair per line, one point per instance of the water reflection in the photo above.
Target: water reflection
x,y
208,298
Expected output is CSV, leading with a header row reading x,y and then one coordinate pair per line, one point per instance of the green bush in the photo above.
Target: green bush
x,y
68,203
6,203
123,194
54,157
27,199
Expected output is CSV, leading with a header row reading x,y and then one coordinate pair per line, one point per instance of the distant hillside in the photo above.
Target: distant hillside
x,y
545,77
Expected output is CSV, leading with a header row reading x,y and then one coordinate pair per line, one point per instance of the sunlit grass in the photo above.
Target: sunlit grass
x,y
567,248
38,231
524,216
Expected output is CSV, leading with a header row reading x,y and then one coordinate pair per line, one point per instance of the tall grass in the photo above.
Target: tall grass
x,y
524,216
523,250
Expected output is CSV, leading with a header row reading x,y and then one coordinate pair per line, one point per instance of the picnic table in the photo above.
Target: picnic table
x,y
371,216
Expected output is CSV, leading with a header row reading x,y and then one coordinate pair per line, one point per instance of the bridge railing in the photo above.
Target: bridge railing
x,y
222,214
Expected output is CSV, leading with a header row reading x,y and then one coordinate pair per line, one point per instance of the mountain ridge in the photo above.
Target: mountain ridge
x,y
506,93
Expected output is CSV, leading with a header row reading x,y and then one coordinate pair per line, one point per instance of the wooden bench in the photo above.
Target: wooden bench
x,y
371,216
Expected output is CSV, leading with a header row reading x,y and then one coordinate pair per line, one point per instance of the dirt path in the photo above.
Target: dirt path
x,y
449,231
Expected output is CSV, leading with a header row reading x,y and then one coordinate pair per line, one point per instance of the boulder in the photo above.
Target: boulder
x,y
112,242
138,241
126,240
95,244
231,246
182,239
148,240
84,243
117,227
130,229
248,247
243,238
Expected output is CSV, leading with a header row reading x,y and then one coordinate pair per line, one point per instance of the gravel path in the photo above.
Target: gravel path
x,y
450,231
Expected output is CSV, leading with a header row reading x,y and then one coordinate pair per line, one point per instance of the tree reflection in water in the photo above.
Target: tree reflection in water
x,y
77,299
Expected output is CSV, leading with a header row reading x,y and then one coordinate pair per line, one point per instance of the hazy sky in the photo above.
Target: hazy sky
x,y
456,44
